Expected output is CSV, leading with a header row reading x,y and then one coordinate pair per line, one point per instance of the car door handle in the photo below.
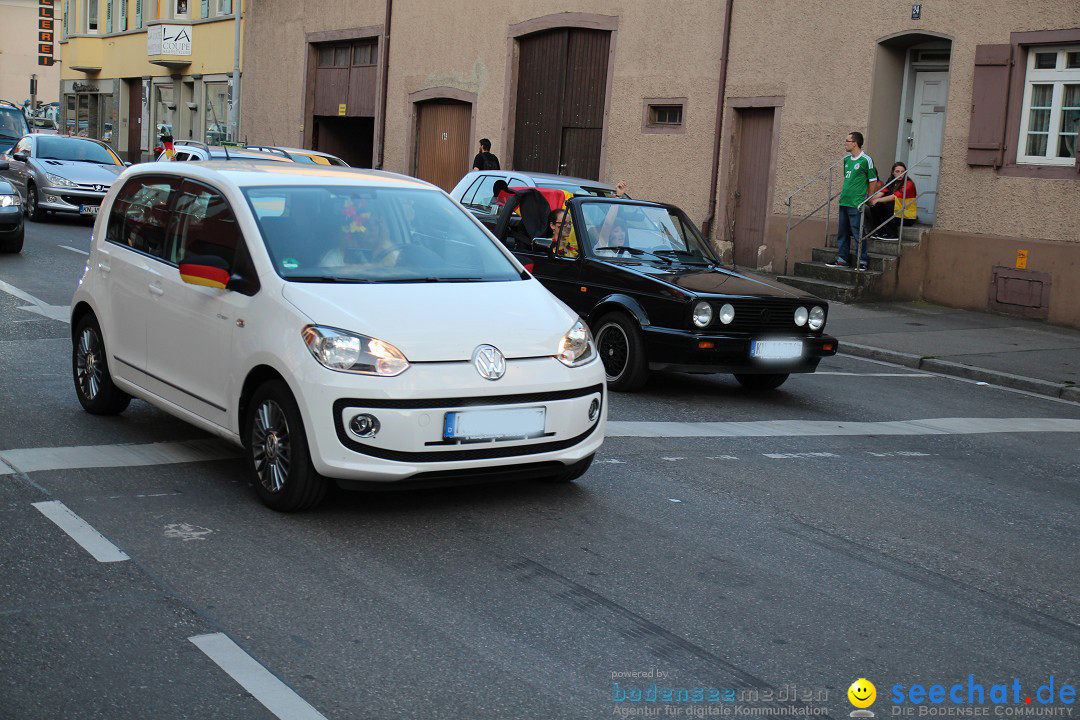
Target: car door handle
x,y
156,289
104,267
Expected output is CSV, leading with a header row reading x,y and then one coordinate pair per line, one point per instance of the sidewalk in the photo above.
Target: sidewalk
x,y
1000,350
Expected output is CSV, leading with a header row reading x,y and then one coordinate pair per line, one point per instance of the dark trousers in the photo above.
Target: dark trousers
x,y
847,232
882,213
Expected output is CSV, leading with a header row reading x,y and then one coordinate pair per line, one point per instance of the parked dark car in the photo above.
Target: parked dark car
x,y
657,297
11,216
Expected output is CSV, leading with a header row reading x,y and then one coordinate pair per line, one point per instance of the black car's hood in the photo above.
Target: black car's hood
x,y
718,280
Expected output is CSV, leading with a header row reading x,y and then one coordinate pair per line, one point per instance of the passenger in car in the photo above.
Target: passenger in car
x,y
365,241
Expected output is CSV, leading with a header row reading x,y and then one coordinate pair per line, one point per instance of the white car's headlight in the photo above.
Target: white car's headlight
x,y
57,181
348,352
576,346
703,314
817,317
9,200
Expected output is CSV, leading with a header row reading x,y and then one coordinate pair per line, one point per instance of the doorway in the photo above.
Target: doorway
x,y
750,190
442,141
924,98
350,138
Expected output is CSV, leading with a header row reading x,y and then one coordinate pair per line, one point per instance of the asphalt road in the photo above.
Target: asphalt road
x,y
806,537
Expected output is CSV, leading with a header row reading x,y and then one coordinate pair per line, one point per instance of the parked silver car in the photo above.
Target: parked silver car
x,y
61,174
478,193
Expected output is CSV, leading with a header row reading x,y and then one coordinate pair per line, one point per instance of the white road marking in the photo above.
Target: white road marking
x,y
278,697
674,500
721,457
68,247
825,428
854,374
56,312
185,532
80,531
611,461
672,459
93,456
799,456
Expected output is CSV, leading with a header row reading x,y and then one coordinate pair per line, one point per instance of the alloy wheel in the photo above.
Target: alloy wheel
x,y
271,446
31,201
88,364
614,350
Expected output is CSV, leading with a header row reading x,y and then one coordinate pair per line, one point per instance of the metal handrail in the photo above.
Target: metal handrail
x,y
827,205
861,207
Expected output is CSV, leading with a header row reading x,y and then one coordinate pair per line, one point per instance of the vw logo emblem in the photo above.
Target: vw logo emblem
x,y
489,362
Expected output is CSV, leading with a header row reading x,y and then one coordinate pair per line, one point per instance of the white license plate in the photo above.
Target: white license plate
x,y
776,349
88,209
494,424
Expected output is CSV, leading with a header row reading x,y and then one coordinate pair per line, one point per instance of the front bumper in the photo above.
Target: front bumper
x,y
678,351
412,407
70,200
11,218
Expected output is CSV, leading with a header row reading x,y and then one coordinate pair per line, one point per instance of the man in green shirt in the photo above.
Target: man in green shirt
x,y
858,172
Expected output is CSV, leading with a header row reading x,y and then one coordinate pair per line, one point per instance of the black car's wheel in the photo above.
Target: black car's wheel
x,y
277,451
572,472
33,208
618,340
14,243
762,382
90,370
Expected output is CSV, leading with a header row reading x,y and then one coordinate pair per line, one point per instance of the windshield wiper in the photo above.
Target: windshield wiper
x,y
327,279
686,254
440,279
636,252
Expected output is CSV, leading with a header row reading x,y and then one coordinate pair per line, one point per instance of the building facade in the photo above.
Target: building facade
x,y
966,93
27,48
134,70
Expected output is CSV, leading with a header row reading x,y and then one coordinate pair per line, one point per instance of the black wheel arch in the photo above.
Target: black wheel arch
x,y
618,302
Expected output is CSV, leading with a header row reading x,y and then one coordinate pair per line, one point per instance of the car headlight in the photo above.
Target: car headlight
x,y
727,313
58,181
576,346
702,314
801,316
348,352
9,200
817,317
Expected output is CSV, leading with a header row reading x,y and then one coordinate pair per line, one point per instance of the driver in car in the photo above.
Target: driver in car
x,y
364,241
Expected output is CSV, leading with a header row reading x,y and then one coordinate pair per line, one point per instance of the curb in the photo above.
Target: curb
x,y
968,372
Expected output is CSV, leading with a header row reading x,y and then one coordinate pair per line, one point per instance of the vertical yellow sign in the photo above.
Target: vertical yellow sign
x,y
341,109
1021,259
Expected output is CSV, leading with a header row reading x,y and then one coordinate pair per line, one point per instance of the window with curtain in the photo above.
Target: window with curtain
x,y
1050,119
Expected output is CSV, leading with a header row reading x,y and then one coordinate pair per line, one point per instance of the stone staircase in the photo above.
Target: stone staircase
x,y
846,284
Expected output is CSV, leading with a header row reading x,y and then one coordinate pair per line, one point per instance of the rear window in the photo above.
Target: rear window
x,y
354,234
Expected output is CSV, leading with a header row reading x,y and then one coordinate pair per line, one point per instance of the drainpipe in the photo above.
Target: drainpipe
x,y
385,81
707,226
234,108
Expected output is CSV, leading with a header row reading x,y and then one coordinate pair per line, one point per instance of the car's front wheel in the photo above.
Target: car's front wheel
x,y
621,349
762,382
90,370
33,206
277,451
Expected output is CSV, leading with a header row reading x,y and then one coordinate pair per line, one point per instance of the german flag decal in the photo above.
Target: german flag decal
x,y
204,275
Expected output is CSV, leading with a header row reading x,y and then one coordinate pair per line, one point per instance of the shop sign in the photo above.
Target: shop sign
x,y
168,40
45,32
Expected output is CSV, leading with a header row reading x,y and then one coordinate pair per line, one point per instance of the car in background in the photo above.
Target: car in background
x,y
315,157
476,191
61,174
658,297
193,150
43,125
374,333
13,125
11,215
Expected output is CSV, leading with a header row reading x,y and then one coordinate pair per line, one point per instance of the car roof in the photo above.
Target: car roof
x,y
245,173
548,178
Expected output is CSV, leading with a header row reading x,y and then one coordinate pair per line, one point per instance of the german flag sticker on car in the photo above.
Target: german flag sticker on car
x,y
205,274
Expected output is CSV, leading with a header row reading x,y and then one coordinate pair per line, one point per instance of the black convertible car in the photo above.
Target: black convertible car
x,y
657,296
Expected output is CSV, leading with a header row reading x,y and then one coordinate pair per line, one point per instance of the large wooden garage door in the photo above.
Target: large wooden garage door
x,y
559,123
442,142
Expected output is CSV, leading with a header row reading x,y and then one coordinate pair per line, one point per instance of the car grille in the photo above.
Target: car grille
x,y
762,314
81,200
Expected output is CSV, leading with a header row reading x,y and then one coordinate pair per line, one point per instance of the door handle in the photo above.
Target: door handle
x,y
104,267
156,290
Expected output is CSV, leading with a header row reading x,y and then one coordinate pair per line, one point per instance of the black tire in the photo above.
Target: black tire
x,y
572,472
621,349
761,383
90,371
278,457
33,208
13,244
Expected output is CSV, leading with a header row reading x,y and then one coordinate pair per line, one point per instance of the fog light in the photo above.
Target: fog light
x,y
594,410
364,425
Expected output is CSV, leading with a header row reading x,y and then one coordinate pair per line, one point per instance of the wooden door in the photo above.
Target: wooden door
x,y
754,132
442,142
134,119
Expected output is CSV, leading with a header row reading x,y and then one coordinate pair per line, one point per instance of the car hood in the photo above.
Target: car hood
x,y
440,322
718,281
84,173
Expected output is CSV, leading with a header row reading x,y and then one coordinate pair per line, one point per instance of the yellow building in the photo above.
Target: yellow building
x,y
133,70
26,50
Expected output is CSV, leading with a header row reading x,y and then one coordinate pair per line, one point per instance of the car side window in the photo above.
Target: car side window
x,y
140,214
484,197
470,192
202,224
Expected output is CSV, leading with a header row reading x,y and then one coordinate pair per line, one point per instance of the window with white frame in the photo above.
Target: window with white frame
x,y
1050,119
90,13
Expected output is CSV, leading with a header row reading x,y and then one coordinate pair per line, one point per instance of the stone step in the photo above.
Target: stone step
x,y
878,262
824,289
876,247
848,276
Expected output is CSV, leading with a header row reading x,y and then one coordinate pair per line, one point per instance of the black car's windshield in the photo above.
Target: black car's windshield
x,y
614,230
338,234
75,149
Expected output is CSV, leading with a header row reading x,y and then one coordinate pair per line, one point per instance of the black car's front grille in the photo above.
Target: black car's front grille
x,y
81,200
759,314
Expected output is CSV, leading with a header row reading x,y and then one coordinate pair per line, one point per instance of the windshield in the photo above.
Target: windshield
x,y
62,148
12,123
353,234
624,230
577,189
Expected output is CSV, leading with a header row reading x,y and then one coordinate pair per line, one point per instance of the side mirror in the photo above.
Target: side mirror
x,y
4,165
544,244
127,163
205,270
20,156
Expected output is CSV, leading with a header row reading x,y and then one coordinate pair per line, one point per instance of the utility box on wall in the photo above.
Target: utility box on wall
x,y
1020,292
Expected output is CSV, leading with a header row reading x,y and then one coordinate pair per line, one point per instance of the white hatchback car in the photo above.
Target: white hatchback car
x,y
337,323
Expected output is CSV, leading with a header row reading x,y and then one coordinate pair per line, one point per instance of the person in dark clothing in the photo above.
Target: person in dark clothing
x,y
484,160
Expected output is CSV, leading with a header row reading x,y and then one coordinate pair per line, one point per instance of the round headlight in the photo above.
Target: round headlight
x,y
817,317
702,314
727,314
800,316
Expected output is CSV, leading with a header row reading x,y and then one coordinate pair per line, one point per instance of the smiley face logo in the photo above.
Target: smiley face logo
x,y
862,693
